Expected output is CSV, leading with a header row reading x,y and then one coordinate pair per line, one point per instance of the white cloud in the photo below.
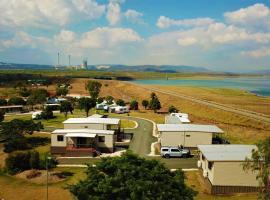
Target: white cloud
x,y
134,16
108,37
36,13
186,41
257,15
65,36
258,53
113,13
165,22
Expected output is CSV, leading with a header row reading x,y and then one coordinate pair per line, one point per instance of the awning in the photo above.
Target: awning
x,y
86,135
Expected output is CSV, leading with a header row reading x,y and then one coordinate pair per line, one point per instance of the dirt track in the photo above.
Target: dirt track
x,y
247,113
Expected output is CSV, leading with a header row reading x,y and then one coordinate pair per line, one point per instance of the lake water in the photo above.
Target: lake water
x,y
258,85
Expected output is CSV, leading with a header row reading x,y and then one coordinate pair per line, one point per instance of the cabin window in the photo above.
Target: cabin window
x,y
101,138
174,150
60,138
210,165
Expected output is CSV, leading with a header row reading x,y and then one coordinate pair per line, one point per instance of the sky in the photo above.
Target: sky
x,y
225,35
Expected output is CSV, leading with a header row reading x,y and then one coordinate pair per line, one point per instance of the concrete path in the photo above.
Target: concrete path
x,y
251,114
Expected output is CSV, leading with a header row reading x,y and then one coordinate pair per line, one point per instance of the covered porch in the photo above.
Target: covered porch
x,y
81,144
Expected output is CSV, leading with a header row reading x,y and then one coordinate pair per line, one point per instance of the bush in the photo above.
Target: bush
x,y
172,109
34,160
51,163
134,105
120,102
18,162
100,100
2,115
47,113
16,143
16,101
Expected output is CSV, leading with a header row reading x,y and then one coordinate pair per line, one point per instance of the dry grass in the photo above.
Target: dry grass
x,y
238,129
195,181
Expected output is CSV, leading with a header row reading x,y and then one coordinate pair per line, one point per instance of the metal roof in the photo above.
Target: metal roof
x,y
92,120
169,119
96,116
86,135
228,152
12,106
88,131
188,128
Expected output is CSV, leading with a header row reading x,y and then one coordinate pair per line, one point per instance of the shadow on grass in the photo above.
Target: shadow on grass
x,y
38,141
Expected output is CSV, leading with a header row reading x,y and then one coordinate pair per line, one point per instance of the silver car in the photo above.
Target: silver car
x,y
169,152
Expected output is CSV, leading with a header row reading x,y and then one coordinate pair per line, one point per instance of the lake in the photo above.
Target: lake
x,y
256,85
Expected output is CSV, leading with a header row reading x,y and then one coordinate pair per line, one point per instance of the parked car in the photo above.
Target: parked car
x,y
168,152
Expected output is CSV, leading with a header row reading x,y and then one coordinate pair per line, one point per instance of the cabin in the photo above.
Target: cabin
x,y
222,168
85,136
187,135
12,109
177,118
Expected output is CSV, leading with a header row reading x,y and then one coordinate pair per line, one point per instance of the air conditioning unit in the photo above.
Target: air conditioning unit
x,y
205,173
199,163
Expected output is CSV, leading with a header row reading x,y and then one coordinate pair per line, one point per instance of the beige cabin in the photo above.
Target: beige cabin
x,y
222,168
83,136
187,135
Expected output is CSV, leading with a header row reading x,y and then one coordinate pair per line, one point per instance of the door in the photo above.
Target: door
x,y
81,142
175,153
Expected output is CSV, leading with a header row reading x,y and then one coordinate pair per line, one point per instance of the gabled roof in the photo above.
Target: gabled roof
x,y
228,152
88,131
92,120
188,128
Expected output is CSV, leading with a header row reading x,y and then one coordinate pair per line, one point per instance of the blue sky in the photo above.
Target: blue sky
x,y
231,35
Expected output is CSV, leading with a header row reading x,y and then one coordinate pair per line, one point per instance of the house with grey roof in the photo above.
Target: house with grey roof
x,y
187,135
85,136
222,168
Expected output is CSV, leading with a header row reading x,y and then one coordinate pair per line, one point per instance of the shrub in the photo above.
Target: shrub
x,y
18,162
16,101
47,113
172,109
134,105
120,102
2,115
51,163
16,143
34,160
100,100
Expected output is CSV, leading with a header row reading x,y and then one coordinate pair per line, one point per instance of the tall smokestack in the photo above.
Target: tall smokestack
x,y
58,57
68,60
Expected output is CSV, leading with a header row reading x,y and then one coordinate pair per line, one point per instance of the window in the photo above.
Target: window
x,y
101,138
60,138
210,165
187,135
165,150
86,127
174,150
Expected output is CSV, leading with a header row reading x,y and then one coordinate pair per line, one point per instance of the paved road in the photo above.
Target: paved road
x,y
251,114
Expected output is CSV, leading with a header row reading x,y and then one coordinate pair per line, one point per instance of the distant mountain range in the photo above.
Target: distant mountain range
x,y
114,67
135,68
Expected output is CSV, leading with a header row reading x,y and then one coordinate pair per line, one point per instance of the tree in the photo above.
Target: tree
x,y
47,113
100,100
3,102
260,164
61,91
131,177
38,96
134,105
86,104
16,101
93,88
66,107
172,109
145,104
109,100
2,115
19,128
24,92
154,103
120,102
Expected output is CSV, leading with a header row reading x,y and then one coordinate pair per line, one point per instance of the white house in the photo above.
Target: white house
x,y
83,136
187,135
222,168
